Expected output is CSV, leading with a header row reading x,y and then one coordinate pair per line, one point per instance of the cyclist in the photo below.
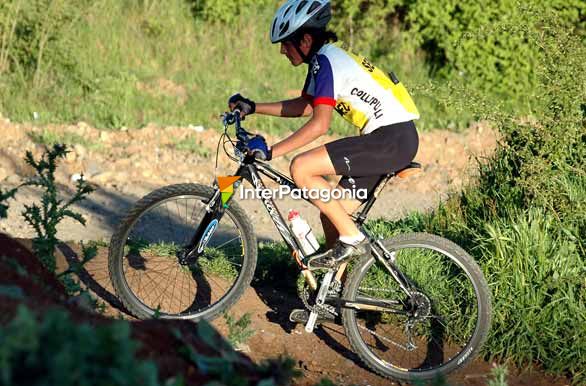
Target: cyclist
x,y
337,79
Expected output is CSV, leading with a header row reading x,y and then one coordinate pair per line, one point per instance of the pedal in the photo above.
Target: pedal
x,y
300,315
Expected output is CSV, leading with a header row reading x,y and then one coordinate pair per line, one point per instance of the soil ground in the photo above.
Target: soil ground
x,y
324,354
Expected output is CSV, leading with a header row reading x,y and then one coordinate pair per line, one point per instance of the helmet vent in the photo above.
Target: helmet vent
x,y
274,26
323,14
287,11
300,6
284,27
313,7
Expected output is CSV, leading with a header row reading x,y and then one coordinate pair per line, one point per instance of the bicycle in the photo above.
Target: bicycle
x,y
416,308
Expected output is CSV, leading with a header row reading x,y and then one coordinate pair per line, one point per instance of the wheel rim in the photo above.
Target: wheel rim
x,y
150,265
443,335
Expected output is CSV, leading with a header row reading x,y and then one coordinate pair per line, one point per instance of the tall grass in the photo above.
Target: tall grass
x,y
129,63
537,280
524,218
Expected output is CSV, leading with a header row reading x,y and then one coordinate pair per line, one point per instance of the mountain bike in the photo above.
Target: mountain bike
x,y
417,307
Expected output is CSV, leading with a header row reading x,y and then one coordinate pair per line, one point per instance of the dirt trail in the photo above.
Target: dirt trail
x,y
323,354
125,165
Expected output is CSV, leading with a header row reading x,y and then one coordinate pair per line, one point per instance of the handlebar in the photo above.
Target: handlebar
x,y
233,118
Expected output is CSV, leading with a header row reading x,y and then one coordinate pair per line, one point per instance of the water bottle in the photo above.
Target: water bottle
x,y
302,232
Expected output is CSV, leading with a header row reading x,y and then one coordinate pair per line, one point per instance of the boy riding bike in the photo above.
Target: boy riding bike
x,y
415,306
377,104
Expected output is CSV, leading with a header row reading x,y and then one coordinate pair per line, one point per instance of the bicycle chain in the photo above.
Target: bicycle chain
x,y
323,311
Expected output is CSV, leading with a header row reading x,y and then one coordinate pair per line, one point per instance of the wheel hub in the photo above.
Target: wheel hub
x,y
420,306
185,257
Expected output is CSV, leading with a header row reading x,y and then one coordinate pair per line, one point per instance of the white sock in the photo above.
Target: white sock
x,y
352,240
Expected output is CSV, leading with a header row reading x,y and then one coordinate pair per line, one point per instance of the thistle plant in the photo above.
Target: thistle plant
x,y
3,197
45,217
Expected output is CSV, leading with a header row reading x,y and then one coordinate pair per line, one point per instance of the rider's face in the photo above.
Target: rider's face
x,y
289,50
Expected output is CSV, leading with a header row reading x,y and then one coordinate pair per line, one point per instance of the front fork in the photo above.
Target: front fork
x,y
215,210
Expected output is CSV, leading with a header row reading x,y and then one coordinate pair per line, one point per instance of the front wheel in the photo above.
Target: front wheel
x,y
145,257
431,325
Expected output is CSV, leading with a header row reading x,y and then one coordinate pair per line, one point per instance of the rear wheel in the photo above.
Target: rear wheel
x,y
144,262
434,326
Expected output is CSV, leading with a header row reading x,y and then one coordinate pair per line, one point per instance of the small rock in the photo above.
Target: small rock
x,y
70,157
80,151
121,176
134,149
197,129
243,348
104,136
102,178
3,174
93,169
13,179
76,177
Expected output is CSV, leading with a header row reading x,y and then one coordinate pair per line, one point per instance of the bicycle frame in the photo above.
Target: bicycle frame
x,y
251,169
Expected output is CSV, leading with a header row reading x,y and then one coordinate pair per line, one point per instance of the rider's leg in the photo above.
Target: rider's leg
x,y
330,232
307,170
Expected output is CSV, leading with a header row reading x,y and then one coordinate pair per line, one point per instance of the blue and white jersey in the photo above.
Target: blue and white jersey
x,y
360,92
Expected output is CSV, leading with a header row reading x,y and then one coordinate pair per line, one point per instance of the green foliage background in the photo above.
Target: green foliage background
x,y
524,218
127,63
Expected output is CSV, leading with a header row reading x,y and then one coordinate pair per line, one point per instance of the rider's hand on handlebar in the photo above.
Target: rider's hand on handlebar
x,y
257,146
246,106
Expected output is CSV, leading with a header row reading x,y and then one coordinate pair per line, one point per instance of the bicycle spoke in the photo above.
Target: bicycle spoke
x,y
152,265
438,316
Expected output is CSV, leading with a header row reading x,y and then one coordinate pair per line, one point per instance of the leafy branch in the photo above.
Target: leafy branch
x,y
3,197
45,218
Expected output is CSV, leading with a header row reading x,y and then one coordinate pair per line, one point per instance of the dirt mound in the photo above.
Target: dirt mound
x,y
25,282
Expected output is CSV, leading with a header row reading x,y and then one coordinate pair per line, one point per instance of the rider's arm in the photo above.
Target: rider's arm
x,y
298,107
317,126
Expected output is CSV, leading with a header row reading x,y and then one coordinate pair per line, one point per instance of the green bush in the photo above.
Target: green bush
x,y
57,351
524,218
36,36
537,280
488,46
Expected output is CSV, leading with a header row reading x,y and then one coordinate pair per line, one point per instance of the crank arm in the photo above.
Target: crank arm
x,y
320,300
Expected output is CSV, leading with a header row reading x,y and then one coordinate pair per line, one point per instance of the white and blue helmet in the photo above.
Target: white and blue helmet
x,y
297,14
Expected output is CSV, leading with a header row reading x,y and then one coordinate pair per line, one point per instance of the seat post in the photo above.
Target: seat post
x,y
412,168
361,218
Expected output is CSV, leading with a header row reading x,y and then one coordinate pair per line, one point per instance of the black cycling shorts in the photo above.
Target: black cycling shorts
x,y
363,160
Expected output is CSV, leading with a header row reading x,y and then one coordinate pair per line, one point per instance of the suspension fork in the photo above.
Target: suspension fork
x,y
215,210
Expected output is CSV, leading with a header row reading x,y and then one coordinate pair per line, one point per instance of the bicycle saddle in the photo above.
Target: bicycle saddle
x,y
412,169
